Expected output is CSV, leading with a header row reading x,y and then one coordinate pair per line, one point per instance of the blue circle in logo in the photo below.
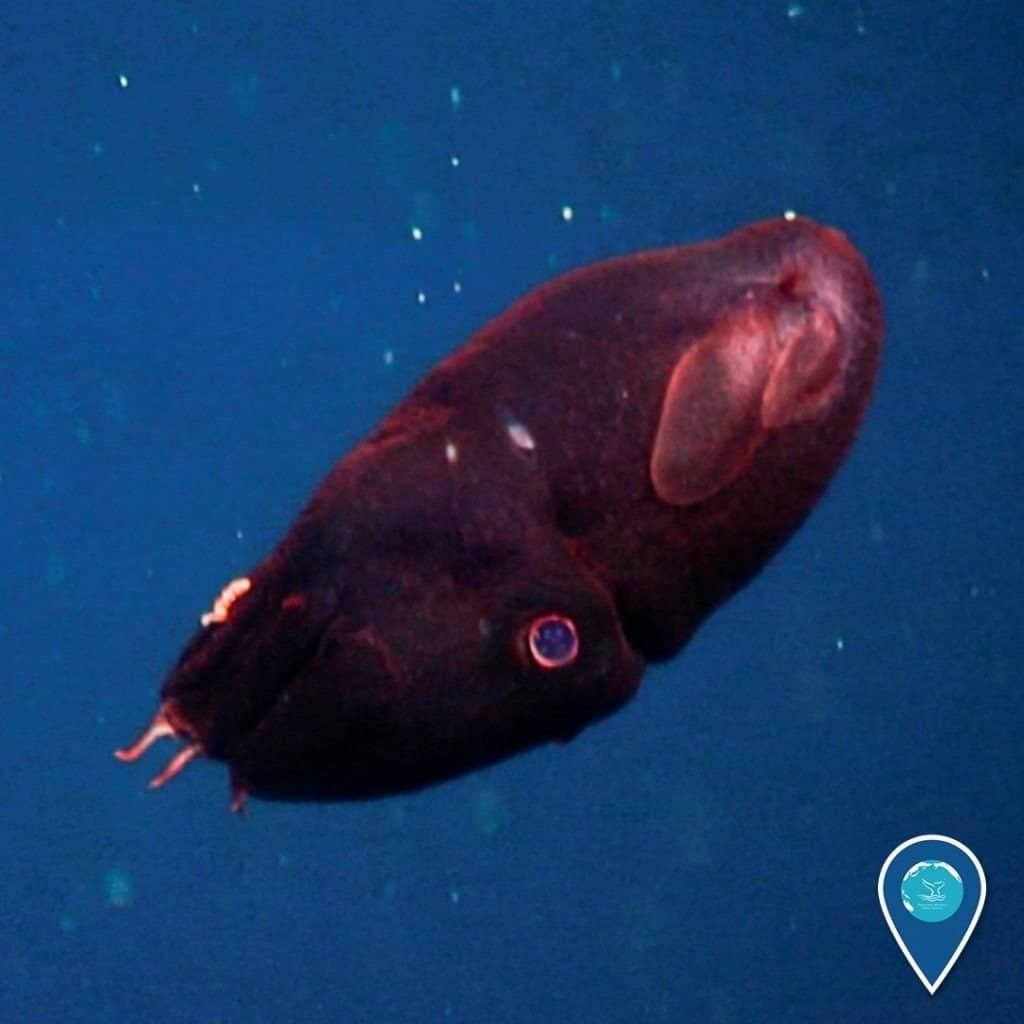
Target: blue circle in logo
x,y
932,890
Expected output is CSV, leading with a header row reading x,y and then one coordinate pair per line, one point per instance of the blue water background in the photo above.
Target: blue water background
x,y
210,288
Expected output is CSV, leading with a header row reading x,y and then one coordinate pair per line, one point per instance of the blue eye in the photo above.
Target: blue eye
x,y
553,640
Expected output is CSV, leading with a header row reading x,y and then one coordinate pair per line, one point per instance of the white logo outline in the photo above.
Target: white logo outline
x,y
932,987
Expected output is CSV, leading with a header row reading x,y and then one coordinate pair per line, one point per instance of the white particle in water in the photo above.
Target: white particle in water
x,y
119,887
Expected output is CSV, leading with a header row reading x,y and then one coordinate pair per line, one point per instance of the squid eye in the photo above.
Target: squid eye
x,y
553,641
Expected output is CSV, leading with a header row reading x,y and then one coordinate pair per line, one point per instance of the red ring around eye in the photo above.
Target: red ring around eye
x,y
553,641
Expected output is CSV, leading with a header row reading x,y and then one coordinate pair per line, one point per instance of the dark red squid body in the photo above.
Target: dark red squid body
x,y
621,450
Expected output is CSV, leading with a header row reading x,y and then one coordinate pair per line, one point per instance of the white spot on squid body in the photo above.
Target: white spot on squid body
x,y
451,453
520,436
225,599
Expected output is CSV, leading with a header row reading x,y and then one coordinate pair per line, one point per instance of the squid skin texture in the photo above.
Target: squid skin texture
x,y
623,448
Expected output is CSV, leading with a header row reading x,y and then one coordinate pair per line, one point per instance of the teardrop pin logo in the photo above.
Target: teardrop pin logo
x,y
932,891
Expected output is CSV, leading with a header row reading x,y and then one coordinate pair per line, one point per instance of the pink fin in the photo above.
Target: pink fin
x,y
807,372
710,422
760,369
